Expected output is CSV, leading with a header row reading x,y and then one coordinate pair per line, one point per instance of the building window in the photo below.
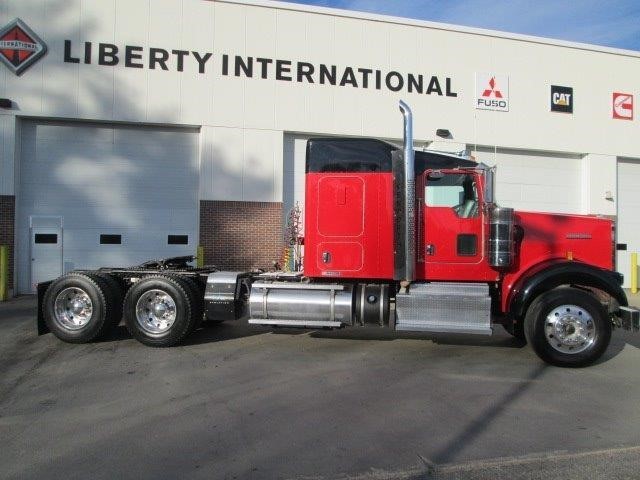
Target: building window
x,y
46,238
178,240
110,239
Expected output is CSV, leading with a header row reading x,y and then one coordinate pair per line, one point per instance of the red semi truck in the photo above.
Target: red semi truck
x,y
394,238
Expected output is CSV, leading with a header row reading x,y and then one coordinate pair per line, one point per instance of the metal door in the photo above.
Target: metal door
x,y
46,249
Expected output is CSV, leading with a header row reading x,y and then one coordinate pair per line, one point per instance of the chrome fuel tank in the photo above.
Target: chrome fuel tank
x,y
301,303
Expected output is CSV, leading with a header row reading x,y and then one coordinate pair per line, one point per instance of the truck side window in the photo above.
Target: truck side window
x,y
456,190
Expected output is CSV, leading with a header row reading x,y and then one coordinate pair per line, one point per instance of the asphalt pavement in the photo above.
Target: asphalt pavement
x,y
237,402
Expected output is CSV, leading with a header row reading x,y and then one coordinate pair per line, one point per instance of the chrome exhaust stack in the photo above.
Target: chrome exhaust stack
x,y
409,194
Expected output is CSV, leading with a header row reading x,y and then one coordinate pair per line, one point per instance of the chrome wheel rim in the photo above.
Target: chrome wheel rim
x,y
73,308
155,311
570,329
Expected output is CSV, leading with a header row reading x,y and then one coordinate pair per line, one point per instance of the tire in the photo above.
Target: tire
x,y
159,310
567,327
116,292
197,292
78,307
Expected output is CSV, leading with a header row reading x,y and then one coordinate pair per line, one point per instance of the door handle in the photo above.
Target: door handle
x,y
326,257
430,249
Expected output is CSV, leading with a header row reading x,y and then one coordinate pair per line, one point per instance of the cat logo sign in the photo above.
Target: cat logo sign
x,y
561,99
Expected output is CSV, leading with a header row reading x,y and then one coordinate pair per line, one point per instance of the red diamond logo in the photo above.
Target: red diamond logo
x,y
20,47
493,90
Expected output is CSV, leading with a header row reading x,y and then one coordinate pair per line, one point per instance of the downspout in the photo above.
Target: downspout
x,y
409,194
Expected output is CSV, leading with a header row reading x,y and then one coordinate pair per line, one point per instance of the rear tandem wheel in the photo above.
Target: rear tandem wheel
x,y
161,310
80,307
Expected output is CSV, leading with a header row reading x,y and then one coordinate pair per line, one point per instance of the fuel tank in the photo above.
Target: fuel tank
x,y
301,302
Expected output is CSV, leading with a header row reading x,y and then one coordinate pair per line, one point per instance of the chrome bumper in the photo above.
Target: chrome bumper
x,y
629,318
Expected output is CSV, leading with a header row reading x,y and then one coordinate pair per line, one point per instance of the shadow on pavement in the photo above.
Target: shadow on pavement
x,y
468,435
211,332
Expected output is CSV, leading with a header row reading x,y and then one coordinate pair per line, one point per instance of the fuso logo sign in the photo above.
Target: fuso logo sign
x,y
623,106
492,92
20,47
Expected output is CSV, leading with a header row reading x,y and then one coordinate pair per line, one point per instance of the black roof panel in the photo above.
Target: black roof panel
x,y
333,154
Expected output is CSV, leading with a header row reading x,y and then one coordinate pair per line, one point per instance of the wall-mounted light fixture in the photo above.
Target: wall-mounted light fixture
x,y
443,133
608,195
5,103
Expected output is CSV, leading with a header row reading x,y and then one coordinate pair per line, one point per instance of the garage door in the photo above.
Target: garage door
x,y
628,214
117,195
536,182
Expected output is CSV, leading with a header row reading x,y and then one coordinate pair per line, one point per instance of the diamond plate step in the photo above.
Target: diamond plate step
x,y
445,307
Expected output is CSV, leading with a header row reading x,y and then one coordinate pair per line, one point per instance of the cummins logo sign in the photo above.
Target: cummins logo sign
x,y
492,92
623,106
20,47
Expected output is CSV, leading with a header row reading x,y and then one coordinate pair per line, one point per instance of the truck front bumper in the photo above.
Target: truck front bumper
x,y
629,318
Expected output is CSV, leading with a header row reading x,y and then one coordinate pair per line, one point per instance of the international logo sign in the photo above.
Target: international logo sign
x,y
623,106
264,68
561,99
492,92
20,47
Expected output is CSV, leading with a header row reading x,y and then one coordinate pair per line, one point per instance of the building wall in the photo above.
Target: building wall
x,y
241,235
245,119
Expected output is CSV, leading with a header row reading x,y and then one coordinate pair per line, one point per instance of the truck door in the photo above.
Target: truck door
x,y
451,245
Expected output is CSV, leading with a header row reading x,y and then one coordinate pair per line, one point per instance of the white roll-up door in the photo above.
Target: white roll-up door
x,y
124,193
535,181
628,224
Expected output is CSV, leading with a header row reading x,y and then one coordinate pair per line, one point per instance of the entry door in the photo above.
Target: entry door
x,y
46,249
452,244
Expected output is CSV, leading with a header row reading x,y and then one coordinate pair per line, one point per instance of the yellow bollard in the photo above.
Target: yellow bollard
x,y
200,256
4,272
634,273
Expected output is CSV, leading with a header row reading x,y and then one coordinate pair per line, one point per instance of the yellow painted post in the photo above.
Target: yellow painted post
x,y
4,272
200,256
634,273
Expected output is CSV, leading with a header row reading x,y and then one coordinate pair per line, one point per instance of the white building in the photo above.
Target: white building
x,y
137,129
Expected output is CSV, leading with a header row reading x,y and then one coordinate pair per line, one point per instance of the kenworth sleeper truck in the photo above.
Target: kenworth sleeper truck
x,y
394,238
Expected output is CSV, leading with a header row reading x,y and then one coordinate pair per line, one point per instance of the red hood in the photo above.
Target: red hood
x,y
584,238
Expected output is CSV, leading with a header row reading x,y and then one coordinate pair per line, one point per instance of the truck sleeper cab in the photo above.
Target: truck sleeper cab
x,y
394,238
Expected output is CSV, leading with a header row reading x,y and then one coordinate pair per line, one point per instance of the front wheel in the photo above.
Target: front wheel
x,y
567,327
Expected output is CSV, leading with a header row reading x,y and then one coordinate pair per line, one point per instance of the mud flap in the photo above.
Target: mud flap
x,y
42,326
